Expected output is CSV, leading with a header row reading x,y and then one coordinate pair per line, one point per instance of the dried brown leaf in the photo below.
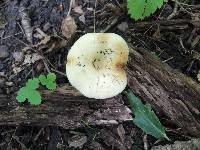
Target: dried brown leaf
x,y
78,10
68,27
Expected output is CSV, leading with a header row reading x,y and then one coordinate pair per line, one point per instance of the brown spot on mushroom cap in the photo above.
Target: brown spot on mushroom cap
x,y
120,66
71,60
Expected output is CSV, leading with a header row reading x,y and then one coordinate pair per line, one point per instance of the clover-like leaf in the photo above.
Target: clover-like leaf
x,y
22,94
33,83
43,79
51,85
34,97
48,81
51,77
29,92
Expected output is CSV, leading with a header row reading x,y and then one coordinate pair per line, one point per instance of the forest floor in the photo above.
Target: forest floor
x,y
172,34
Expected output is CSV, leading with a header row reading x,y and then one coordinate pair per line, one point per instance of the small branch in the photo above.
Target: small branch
x,y
174,12
59,72
70,8
46,66
95,6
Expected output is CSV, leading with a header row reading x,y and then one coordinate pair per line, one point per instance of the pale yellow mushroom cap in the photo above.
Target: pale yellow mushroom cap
x,y
95,65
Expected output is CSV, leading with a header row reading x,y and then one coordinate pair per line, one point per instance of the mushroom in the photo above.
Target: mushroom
x,y
95,65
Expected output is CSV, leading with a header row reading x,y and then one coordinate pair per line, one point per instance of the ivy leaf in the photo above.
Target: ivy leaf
x,y
145,118
49,81
139,9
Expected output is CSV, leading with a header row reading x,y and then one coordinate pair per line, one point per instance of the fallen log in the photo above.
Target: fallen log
x,y
66,108
168,91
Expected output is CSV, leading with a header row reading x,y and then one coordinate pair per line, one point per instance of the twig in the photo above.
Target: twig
x,y
188,5
41,32
21,28
155,22
114,22
177,3
20,41
46,66
95,6
70,8
170,58
3,38
145,142
181,42
38,134
190,66
59,72
28,73
194,31
174,12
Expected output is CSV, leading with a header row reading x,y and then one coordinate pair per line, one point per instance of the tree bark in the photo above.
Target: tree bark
x,y
168,91
66,108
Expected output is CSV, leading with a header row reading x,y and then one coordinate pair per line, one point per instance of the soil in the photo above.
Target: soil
x,y
173,40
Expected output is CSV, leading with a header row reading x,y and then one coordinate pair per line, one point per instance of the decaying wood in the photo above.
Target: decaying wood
x,y
66,108
167,90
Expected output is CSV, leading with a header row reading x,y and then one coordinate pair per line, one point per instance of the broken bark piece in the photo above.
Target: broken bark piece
x,y
184,145
167,90
26,23
65,108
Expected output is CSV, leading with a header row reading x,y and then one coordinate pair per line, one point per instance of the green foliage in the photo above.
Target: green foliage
x,y
139,9
29,91
48,81
145,118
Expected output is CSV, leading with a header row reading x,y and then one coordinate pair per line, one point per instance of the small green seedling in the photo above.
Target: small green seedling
x,y
48,81
139,9
30,90
145,118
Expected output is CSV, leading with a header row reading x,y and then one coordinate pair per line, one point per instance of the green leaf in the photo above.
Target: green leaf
x,y
139,9
22,94
145,118
43,79
49,81
32,83
29,92
51,85
34,97
51,77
